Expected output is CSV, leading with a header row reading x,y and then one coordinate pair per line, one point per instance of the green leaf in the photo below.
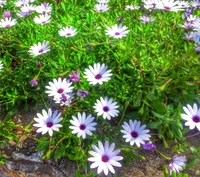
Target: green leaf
x,y
155,124
59,152
43,145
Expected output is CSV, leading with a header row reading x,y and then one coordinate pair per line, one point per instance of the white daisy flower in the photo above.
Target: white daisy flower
x,y
40,48
44,8
192,116
134,133
59,87
1,65
195,4
106,107
2,2
184,4
47,122
23,13
21,3
26,10
151,4
7,22
146,19
169,5
42,19
68,31
101,7
97,74
131,7
103,1
117,31
83,125
191,36
105,158
177,163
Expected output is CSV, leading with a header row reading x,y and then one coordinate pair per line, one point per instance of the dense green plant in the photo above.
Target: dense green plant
x,y
155,72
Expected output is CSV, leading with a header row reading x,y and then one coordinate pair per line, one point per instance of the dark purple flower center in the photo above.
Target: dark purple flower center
x,y
100,10
117,33
134,134
43,22
196,119
68,34
98,76
167,8
105,158
82,127
7,26
106,109
60,90
41,50
49,124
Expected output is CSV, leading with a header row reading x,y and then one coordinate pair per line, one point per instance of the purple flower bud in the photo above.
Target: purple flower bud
x,y
82,93
38,64
149,146
75,77
6,14
33,82
44,4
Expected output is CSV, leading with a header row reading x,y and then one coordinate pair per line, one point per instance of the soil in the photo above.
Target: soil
x,y
23,161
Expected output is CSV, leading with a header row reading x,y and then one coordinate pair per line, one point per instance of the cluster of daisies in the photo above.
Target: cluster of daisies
x,y
83,124
25,9
104,157
133,132
191,24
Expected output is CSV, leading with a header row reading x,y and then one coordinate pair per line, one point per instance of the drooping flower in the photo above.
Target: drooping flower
x,y
82,93
149,146
83,125
23,13
33,83
48,121
59,87
117,31
40,48
104,158
7,22
97,74
101,7
65,99
68,32
177,163
75,77
135,134
42,19
192,116
106,107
